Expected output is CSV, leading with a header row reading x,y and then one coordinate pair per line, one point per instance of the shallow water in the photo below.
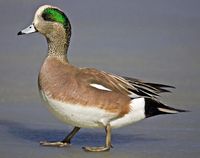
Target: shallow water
x,y
158,42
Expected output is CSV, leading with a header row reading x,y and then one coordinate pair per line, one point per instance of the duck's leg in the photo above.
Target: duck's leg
x,y
65,142
107,143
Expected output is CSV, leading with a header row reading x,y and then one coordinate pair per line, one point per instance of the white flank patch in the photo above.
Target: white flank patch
x,y
78,115
168,111
98,86
136,114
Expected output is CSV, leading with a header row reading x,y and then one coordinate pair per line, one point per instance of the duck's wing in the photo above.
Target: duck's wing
x,y
148,87
132,87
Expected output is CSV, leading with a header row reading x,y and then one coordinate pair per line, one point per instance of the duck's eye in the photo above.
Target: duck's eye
x,y
55,15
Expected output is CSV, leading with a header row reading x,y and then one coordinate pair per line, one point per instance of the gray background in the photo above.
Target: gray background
x,y
154,40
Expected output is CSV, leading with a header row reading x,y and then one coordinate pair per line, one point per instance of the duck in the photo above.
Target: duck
x,y
87,97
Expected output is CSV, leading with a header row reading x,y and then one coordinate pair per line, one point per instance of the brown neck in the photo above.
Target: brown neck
x,y
58,49
58,45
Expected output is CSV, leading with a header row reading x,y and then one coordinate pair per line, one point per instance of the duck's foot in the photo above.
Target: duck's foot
x,y
54,144
65,142
96,149
107,144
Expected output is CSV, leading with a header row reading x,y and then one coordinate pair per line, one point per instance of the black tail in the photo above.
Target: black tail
x,y
153,107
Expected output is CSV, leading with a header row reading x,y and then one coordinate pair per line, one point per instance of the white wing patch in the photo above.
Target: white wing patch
x,y
98,86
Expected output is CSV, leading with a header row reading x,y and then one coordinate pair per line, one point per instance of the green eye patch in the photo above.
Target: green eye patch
x,y
55,15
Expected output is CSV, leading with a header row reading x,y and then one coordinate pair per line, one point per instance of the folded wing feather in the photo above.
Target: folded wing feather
x,y
130,86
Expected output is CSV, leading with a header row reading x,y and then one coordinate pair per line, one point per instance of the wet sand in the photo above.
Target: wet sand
x,y
154,43
23,126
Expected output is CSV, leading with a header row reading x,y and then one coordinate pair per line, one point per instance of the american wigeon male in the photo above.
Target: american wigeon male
x,y
86,97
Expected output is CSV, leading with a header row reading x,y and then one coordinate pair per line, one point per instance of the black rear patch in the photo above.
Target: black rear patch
x,y
152,108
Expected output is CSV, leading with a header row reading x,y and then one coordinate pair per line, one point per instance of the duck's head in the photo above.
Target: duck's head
x,y
51,22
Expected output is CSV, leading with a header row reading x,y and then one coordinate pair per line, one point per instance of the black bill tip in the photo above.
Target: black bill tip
x,y
20,33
